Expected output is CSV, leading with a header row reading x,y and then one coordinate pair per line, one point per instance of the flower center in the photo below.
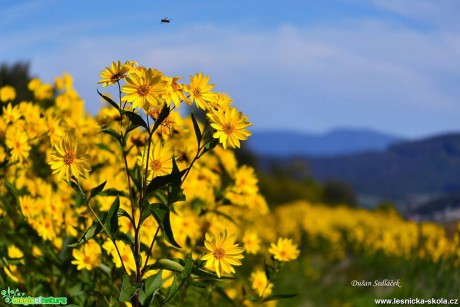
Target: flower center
x,y
69,157
143,90
116,77
155,165
174,86
197,92
219,253
228,128
86,260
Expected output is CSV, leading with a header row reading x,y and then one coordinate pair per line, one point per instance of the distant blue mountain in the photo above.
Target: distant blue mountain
x,y
332,143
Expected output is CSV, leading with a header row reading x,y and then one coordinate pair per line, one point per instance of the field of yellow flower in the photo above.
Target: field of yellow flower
x,y
145,206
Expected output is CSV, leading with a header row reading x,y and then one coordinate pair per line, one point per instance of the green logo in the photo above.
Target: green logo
x,y
16,297
8,295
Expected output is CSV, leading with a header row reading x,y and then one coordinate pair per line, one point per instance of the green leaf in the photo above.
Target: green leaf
x,y
196,127
104,268
152,284
121,236
176,193
4,164
222,293
89,233
112,133
13,261
160,181
209,146
121,212
275,297
135,176
135,119
109,100
187,267
198,284
127,290
228,217
12,190
253,298
142,297
112,192
269,270
76,187
161,213
172,290
130,128
111,220
104,147
208,275
97,189
167,264
163,115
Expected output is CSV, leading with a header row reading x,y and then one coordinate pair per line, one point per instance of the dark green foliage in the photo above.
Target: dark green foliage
x,y
17,75
280,190
337,192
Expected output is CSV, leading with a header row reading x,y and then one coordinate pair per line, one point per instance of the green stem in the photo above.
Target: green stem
x,y
197,156
110,237
268,282
150,250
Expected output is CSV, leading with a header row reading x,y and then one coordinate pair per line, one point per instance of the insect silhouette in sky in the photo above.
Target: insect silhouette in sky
x,y
166,20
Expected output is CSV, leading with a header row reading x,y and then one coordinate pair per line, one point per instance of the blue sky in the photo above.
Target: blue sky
x,y
389,65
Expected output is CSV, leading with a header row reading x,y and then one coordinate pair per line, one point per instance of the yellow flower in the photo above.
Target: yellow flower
x,y
222,101
251,242
200,91
144,90
55,130
45,227
222,253
28,206
88,256
285,250
36,252
14,252
245,181
13,273
7,93
10,114
18,142
175,91
230,127
169,123
127,256
113,74
160,161
260,283
109,247
41,90
69,159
